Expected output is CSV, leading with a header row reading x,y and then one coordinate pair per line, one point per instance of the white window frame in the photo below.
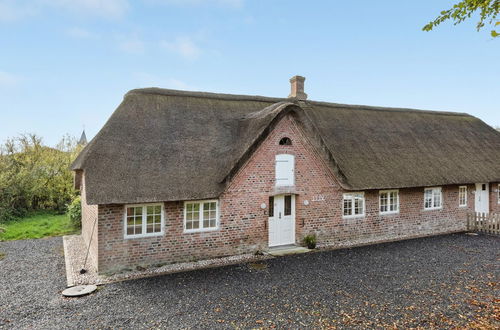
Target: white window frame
x,y
380,201
197,230
433,207
352,196
498,193
459,200
144,221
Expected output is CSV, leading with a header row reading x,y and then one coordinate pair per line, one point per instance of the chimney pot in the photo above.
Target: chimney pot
x,y
297,88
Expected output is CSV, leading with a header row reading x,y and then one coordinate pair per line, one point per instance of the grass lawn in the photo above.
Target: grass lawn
x,y
37,225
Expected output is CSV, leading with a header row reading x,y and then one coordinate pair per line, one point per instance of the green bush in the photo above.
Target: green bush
x,y
310,241
75,212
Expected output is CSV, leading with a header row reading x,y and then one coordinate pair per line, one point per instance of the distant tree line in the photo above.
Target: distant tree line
x,y
34,176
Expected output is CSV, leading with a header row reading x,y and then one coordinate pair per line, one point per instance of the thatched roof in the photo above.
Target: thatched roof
x,y
163,145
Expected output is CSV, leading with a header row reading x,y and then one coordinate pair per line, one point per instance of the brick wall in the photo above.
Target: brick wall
x,y
243,224
89,215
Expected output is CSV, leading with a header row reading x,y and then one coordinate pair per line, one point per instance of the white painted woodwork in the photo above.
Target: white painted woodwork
x,y
281,226
285,171
482,198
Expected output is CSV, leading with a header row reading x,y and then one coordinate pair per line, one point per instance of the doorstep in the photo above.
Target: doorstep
x,y
285,250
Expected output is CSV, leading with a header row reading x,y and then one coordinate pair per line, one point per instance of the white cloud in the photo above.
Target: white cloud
x,y
222,3
103,8
148,80
80,33
9,79
131,44
13,11
183,46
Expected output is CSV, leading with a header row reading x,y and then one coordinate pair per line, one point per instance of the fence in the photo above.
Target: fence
x,y
484,222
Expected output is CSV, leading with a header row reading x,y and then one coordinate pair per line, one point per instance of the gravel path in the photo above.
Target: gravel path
x,y
441,281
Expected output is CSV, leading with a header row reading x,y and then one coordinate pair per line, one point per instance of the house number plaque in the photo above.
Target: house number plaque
x,y
318,198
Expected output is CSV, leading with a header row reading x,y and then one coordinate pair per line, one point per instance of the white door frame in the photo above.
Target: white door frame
x,y
482,198
278,226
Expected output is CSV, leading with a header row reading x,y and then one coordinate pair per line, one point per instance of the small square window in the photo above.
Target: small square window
x,y
200,216
143,220
389,201
354,204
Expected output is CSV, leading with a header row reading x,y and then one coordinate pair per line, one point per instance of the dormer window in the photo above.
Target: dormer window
x,y
285,141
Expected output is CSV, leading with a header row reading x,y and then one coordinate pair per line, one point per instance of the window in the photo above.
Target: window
x,y
285,170
285,141
432,198
271,206
144,220
354,205
288,204
201,216
389,201
462,196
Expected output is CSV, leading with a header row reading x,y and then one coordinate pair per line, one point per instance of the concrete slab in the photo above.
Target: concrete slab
x,y
287,250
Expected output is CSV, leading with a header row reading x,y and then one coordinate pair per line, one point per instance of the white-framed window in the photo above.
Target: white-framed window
x,y
201,215
433,198
462,196
143,220
353,205
389,201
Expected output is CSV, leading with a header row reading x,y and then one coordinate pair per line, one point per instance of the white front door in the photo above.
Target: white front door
x,y
281,220
482,198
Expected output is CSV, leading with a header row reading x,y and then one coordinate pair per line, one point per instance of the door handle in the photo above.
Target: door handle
x,y
279,214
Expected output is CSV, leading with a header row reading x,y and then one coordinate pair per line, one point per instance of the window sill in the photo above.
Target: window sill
x,y
144,235
462,206
193,231
389,213
433,209
353,216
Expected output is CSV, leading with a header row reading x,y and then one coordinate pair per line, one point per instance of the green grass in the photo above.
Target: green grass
x,y
37,225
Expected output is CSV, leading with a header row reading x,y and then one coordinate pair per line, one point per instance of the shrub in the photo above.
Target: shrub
x,y
310,241
75,212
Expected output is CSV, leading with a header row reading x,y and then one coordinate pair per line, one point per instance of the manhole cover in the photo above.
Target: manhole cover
x,y
79,290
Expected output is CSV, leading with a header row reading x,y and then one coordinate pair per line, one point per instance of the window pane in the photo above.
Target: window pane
x,y
347,205
271,206
288,205
138,229
150,229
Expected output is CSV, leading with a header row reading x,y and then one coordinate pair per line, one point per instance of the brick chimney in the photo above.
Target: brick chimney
x,y
297,88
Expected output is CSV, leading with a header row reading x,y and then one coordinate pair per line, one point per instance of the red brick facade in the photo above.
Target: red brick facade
x,y
243,223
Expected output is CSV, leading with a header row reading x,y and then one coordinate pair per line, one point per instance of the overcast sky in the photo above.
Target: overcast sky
x,y
66,64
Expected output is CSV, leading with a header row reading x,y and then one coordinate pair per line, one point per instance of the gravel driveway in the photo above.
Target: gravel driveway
x,y
441,281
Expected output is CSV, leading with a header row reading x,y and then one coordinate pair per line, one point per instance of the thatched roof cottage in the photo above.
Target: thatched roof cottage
x,y
175,175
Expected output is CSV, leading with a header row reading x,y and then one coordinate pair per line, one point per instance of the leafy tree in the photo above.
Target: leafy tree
x,y
488,12
34,176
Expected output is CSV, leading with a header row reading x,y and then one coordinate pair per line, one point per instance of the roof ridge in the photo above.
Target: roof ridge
x,y
259,98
